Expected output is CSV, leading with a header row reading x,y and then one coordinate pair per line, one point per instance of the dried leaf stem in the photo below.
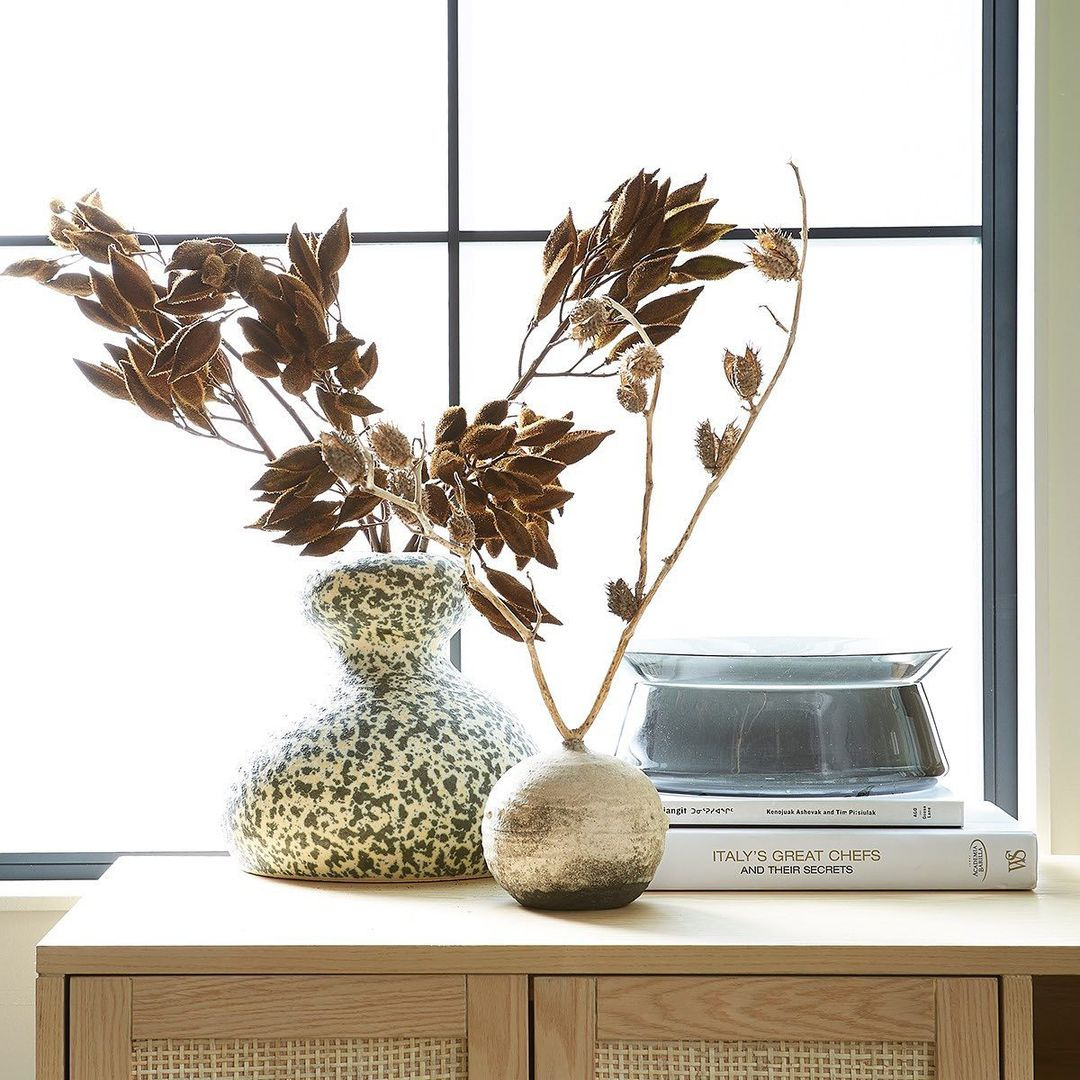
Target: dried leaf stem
x,y
525,377
305,430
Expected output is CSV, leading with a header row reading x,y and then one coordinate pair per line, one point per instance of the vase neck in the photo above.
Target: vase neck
x,y
388,611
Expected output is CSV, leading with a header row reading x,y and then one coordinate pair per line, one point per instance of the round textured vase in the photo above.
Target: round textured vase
x,y
387,780
570,830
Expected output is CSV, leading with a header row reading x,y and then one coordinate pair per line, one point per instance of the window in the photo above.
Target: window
x,y
150,641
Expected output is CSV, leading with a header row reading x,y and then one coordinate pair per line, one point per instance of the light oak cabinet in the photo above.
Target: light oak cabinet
x,y
186,969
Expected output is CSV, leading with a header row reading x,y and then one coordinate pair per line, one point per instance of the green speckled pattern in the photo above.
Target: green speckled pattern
x,y
387,780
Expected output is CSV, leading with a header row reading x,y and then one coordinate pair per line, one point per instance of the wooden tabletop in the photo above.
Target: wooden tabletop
x,y
195,915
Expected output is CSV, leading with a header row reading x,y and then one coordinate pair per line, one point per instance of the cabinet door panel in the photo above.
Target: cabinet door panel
x,y
303,1027
704,1028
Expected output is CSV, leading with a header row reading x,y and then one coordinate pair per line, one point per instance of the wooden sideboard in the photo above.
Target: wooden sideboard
x,y
187,969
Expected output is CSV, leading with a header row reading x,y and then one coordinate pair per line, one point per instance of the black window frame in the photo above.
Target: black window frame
x,y
998,235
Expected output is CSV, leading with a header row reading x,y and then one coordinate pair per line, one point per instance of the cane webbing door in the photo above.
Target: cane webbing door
x,y
765,1028
316,1027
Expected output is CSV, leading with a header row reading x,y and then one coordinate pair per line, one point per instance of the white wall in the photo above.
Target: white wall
x,y
1057,417
23,922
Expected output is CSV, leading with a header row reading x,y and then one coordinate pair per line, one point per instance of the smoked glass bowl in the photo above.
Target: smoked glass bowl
x,y
777,716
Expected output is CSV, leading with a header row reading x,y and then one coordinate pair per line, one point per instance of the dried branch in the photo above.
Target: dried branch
x,y
710,489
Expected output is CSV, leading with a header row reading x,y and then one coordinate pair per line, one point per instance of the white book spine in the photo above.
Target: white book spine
x,y
975,857
866,812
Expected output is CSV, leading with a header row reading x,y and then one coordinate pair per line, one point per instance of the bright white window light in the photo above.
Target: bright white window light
x,y
149,641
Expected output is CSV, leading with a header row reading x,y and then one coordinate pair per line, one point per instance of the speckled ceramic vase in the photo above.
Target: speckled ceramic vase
x,y
570,830
387,780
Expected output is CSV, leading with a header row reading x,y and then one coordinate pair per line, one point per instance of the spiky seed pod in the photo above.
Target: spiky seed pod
x,y
402,482
391,445
726,445
462,530
715,451
621,600
777,258
743,372
643,361
705,443
588,318
344,458
632,395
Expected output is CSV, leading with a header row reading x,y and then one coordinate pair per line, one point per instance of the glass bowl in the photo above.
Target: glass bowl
x,y
781,716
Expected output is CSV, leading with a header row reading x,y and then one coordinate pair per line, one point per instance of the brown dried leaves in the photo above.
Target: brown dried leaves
x,y
293,484
496,483
631,252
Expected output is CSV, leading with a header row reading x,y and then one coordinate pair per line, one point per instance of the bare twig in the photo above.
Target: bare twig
x,y
278,397
774,318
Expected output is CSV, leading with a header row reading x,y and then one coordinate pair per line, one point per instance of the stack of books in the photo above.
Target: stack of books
x,y
919,840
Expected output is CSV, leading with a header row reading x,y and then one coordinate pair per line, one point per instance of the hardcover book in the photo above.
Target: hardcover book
x,y
936,806
991,851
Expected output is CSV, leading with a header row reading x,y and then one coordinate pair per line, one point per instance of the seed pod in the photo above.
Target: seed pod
x,y
777,258
727,444
705,444
461,529
402,482
588,318
391,445
343,457
743,372
621,600
632,395
643,361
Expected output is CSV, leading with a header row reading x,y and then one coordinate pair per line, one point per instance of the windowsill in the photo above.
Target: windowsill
x,y
42,895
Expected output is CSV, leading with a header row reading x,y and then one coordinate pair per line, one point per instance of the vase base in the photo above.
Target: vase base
x,y
582,899
343,879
